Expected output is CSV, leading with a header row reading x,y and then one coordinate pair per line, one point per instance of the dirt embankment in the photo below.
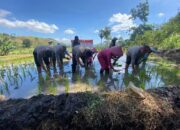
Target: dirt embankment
x,y
172,54
160,109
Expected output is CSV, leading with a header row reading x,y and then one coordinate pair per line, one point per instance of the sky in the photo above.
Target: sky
x,y
63,19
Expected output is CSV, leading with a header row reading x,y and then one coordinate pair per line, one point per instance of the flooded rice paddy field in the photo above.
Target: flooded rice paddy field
x,y
23,81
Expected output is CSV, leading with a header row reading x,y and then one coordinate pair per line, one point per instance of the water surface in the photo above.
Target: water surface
x,y
22,81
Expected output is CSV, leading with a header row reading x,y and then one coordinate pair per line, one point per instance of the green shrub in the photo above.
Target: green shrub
x,y
26,43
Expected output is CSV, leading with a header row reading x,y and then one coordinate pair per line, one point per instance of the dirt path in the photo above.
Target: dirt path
x,y
159,110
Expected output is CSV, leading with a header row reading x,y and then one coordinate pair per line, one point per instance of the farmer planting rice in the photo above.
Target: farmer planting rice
x,y
82,52
105,57
137,54
60,53
44,54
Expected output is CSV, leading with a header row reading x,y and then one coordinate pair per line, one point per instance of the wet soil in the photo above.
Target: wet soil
x,y
160,109
172,54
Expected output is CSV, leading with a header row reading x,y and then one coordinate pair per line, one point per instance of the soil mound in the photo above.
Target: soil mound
x,y
160,109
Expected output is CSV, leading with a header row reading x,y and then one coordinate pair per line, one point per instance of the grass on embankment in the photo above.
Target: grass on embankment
x,y
17,56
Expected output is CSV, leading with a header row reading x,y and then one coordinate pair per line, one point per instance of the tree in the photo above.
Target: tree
x,y
121,41
140,30
101,34
107,33
36,40
26,43
5,44
141,11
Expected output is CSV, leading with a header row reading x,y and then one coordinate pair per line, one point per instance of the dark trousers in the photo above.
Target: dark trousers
x,y
74,63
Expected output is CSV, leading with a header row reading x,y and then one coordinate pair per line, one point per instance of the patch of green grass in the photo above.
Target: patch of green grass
x,y
22,51
16,59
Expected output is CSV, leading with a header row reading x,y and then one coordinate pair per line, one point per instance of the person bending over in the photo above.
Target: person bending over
x,y
135,55
60,53
83,53
44,54
105,57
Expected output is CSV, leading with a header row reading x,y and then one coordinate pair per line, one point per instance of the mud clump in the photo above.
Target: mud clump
x,y
172,54
160,109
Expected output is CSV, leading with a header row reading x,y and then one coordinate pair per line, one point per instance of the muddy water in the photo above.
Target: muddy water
x,y
22,81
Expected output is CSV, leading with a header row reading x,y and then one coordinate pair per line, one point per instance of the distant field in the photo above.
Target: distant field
x,y
22,51
16,59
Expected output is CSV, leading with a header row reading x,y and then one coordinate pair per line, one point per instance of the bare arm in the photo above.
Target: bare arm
x,y
79,62
94,56
67,53
110,64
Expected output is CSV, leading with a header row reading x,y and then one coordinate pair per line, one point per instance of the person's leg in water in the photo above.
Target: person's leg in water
x,y
128,61
101,71
47,62
61,67
37,63
84,60
102,63
74,64
136,70
107,71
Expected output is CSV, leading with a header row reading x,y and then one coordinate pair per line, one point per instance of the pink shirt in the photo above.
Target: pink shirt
x,y
105,58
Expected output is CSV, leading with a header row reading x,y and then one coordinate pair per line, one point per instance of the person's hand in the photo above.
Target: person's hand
x,y
70,56
67,58
116,70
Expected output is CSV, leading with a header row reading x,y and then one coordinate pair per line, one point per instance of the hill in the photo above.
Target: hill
x,y
18,40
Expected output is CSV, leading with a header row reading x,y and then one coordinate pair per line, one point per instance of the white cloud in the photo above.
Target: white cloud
x,y
69,31
63,40
120,18
122,26
161,14
121,22
30,24
96,31
4,13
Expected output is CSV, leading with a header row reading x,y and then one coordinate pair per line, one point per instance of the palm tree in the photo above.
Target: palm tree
x,y
107,33
101,34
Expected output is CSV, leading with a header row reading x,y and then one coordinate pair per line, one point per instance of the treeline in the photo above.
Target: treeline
x,y
166,36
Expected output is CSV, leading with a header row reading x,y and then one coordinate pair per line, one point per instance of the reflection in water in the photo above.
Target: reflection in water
x,y
24,81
